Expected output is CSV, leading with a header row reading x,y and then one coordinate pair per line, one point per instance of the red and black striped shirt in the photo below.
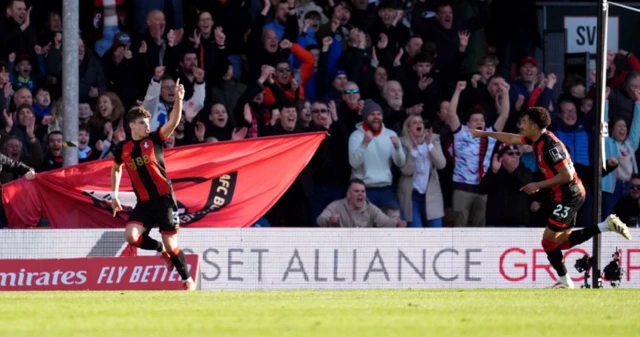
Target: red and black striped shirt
x,y
551,154
144,160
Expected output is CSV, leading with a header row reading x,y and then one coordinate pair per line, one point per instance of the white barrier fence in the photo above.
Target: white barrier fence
x,y
272,258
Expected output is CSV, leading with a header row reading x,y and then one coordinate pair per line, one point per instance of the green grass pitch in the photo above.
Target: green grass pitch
x,y
450,313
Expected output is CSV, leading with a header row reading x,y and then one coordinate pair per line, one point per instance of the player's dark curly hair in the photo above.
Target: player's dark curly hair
x,y
137,112
539,115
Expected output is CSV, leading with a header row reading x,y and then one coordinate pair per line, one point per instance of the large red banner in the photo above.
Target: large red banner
x,y
100,273
226,184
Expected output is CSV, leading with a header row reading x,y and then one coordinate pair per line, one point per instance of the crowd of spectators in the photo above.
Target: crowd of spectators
x,y
395,83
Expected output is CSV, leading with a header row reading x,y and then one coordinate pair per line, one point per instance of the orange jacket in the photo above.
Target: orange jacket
x,y
306,72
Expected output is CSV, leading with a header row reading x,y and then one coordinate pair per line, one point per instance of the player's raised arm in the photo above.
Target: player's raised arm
x,y
176,113
508,138
116,175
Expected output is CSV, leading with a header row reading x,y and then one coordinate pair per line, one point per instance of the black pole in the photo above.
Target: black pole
x,y
600,129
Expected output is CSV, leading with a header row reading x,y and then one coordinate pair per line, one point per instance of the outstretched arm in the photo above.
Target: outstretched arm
x,y
509,138
176,113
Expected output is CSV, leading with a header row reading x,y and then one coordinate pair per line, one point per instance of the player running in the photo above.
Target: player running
x,y
143,156
566,189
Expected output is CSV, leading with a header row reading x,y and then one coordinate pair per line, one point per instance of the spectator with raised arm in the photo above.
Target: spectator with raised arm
x,y
389,22
21,70
11,169
419,191
250,108
292,209
328,81
621,146
536,89
11,153
219,126
284,77
22,124
445,31
350,110
394,110
616,76
160,95
171,10
108,117
479,84
263,44
622,100
330,163
18,32
285,17
424,86
372,149
120,70
156,46
209,45
473,156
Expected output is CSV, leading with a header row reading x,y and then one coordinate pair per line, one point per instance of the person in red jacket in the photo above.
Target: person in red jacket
x,y
284,77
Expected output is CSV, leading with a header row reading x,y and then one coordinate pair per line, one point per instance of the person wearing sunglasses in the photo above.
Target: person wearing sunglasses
x,y
502,185
330,164
349,109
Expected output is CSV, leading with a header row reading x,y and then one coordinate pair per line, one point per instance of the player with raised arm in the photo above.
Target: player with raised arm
x,y
143,156
567,192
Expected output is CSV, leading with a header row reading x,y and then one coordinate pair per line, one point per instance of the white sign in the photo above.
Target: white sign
x,y
582,34
279,259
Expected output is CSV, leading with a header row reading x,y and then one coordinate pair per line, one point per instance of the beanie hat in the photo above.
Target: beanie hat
x,y
369,107
337,73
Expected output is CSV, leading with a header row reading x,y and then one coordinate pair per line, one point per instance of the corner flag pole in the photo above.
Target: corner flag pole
x,y
601,128
70,76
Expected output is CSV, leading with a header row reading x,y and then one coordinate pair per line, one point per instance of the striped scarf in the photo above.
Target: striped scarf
x,y
484,144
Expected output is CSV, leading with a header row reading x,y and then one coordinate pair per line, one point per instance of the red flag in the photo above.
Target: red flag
x,y
227,184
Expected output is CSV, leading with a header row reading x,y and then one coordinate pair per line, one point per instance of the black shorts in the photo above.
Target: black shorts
x,y
161,212
563,214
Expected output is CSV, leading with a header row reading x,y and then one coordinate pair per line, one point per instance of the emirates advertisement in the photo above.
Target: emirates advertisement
x,y
106,273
